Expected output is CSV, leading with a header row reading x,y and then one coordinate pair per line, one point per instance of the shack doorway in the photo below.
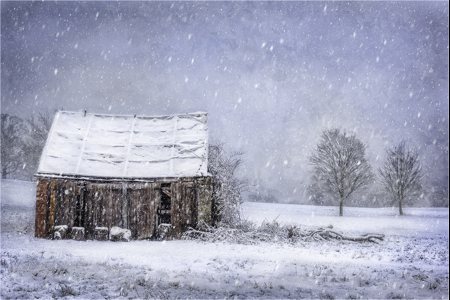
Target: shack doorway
x,y
165,210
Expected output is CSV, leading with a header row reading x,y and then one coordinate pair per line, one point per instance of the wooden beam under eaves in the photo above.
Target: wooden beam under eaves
x,y
167,192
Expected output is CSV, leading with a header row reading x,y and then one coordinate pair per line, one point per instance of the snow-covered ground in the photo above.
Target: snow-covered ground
x,y
423,222
412,262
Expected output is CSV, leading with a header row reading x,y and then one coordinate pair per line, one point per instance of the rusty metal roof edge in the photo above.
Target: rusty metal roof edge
x,y
117,179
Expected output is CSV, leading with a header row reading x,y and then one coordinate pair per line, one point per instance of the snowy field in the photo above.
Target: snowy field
x,y
412,262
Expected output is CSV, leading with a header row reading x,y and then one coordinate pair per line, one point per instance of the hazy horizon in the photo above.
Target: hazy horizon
x,y
271,75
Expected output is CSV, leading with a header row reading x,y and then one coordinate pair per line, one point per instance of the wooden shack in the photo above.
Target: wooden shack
x,y
136,173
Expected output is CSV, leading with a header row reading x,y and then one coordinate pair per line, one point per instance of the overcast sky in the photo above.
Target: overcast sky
x,y
271,75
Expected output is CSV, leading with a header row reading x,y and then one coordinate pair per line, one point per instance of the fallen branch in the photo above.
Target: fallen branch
x,y
368,237
247,233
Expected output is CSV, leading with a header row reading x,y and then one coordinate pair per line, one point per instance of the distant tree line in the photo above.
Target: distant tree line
x,y
340,169
262,197
22,142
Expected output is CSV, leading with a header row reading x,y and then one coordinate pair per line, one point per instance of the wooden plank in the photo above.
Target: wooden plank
x,y
72,203
124,205
51,214
77,206
93,194
117,207
41,208
108,206
98,206
142,213
173,201
103,205
136,212
181,208
176,206
143,210
139,221
145,217
89,219
148,211
167,192
195,206
57,205
133,199
156,204
83,203
188,207
65,197
152,210
94,197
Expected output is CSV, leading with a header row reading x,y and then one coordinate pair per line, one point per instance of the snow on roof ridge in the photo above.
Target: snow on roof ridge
x,y
132,115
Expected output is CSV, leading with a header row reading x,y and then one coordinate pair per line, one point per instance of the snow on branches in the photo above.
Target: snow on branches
x,y
340,165
247,233
222,165
401,173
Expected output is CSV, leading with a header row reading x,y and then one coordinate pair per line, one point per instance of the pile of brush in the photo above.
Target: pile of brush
x,y
248,233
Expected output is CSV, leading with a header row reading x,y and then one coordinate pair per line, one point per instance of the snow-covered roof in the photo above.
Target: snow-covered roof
x,y
95,145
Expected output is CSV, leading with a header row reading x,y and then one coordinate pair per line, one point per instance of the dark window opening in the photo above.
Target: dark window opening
x,y
79,212
164,211
77,220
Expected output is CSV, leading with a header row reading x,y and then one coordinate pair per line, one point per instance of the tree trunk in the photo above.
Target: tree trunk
x,y
4,174
400,208
341,206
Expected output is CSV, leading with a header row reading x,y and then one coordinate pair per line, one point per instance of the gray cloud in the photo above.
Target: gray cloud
x,y
272,75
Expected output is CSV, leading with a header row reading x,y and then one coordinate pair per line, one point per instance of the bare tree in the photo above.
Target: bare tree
x,y
39,126
12,131
340,165
222,165
401,173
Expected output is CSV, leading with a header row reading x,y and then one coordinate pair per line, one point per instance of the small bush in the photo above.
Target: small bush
x,y
66,290
394,296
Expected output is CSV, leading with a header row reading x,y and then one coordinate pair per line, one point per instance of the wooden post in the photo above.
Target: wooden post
x,y
145,212
109,206
89,195
156,202
73,204
117,206
51,214
41,208
124,206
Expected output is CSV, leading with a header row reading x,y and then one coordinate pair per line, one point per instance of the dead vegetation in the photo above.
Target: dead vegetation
x,y
248,233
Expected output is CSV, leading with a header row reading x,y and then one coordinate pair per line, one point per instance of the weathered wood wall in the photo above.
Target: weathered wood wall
x,y
183,207
127,205
102,204
206,206
143,201
41,208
